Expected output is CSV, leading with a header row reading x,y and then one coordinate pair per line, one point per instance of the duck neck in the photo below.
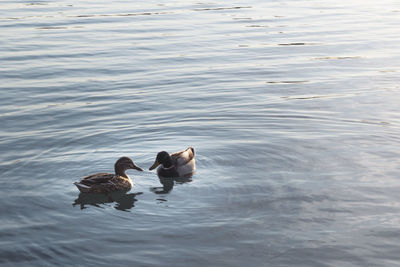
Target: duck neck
x,y
167,163
120,171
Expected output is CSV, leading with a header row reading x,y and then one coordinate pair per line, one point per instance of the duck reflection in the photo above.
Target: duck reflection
x,y
169,182
123,201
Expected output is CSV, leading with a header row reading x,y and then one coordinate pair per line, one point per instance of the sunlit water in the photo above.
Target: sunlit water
x,y
292,107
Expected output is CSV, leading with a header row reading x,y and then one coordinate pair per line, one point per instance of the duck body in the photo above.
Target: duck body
x,y
104,183
109,182
178,164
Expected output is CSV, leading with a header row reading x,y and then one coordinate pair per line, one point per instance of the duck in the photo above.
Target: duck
x,y
109,182
178,164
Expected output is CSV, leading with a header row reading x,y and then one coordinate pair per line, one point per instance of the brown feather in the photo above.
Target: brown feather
x,y
178,154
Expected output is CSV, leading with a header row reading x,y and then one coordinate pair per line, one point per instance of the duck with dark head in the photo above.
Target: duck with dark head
x,y
109,182
178,164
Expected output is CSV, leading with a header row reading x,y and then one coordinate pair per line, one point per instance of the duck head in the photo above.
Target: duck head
x,y
162,158
124,164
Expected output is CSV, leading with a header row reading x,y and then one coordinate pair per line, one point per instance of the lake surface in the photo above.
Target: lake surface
x,y
292,108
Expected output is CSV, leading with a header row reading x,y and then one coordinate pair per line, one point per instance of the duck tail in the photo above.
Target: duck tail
x,y
191,148
82,187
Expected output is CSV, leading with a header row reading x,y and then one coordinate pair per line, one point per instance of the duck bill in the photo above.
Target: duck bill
x,y
156,163
133,166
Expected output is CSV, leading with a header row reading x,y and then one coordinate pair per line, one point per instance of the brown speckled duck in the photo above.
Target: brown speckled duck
x,y
178,164
109,182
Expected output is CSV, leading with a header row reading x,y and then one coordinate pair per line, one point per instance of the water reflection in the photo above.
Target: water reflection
x,y
123,201
169,182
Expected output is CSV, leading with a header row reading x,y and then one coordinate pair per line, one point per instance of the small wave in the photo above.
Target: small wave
x,y
286,82
295,44
308,97
121,14
336,58
221,8
52,28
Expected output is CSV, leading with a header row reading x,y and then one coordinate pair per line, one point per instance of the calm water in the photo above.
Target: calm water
x,y
292,107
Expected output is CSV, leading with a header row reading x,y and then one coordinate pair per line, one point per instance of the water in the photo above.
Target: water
x,y
292,107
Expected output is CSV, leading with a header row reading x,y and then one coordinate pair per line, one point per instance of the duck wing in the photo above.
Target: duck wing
x,y
184,162
183,157
98,178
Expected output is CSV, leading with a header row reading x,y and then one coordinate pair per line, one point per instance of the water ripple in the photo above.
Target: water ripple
x,y
295,125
